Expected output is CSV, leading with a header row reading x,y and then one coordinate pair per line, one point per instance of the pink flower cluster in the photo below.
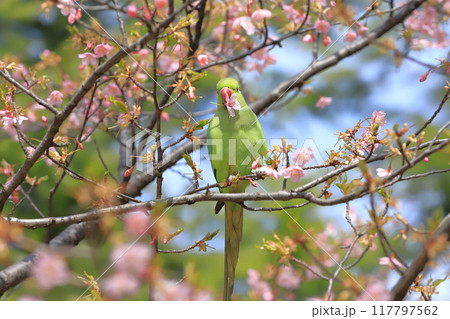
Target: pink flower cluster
x,y
50,270
169,290
294,172
130,262
287,278
259,286
369,134
69,9
427,22
265,60
89,58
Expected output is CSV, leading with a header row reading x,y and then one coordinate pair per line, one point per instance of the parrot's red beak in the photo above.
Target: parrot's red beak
x,y
226,93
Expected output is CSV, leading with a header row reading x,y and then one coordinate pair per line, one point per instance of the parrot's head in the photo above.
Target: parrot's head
x,y
230,95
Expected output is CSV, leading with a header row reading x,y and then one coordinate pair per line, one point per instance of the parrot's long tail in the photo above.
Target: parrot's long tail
x,y
233,236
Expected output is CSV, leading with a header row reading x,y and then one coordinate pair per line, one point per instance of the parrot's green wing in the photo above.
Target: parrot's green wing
x,y
235,140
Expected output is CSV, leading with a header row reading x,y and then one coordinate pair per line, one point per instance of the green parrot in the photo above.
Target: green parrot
x,y
235,140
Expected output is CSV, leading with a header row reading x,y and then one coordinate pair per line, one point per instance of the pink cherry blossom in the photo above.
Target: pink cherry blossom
x,y
231,102
350,36
168,64
295,173
191,93
159,4
136,223
132,10
323,102
88,58
287,278
292,14
20,72
68,86
132,258
102,49
30,150
144,53
260,15
119,285
426,23
202,59
50,270
425,159
55,98
303,156
9,118
261,287
390,262
269,171
245,23
322,26
68,9
261,55
111,90
378,118
381,172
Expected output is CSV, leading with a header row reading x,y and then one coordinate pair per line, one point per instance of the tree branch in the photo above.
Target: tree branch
x,y
16,273
401,288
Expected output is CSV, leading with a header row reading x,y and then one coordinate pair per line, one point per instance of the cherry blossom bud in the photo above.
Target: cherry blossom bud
x,y
326,40
425,159
128,172
132,10
147,13
15,197
423,78
44,120
308,38
362,30
80,145
255,163
323,102
165,116
237,37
